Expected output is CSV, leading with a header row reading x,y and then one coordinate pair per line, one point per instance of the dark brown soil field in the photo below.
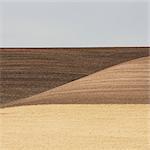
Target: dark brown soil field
x,y
27,72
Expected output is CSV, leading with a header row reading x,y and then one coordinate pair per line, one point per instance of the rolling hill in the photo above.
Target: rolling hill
x,y
126,83
26,72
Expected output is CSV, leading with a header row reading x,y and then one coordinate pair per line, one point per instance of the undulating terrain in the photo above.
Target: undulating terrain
x,y
47,98
26,72
126,83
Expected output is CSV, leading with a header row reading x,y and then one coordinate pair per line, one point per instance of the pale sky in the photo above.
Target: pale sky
x,y
74,24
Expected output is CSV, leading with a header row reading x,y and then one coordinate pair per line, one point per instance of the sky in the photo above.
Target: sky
x,y
74,24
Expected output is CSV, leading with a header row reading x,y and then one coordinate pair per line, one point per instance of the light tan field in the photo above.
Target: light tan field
x,y
124,83
76,127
